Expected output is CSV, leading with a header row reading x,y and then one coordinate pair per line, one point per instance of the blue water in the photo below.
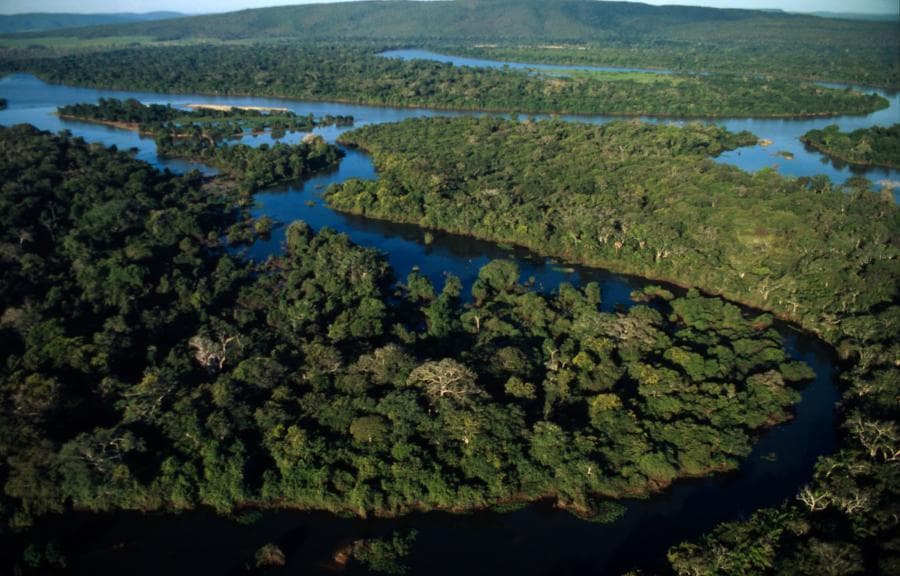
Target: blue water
x,y
538,539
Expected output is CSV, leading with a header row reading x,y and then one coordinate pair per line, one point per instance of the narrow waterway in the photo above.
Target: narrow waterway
x,y
535,540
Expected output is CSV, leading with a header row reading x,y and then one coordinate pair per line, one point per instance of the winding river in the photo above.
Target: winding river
x,y
537,539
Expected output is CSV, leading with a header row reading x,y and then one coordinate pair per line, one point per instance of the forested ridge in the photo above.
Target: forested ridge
x,y
648,200
190,377
353,74
875,146
562,31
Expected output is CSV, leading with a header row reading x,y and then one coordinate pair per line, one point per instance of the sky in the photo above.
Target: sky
x,y
199,6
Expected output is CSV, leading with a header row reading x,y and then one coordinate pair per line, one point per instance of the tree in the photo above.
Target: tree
x,y
445,378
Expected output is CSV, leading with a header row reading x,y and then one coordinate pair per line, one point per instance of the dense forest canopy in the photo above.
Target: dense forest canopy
x,y
605,33
874,146
339,73
191,377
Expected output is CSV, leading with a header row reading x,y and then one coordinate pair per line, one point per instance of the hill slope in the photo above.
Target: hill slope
x,y
572,20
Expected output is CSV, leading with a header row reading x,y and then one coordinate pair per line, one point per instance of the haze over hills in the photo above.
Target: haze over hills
x,y
43,21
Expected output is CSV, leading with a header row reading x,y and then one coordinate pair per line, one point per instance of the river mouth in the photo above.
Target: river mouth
x,y
536,539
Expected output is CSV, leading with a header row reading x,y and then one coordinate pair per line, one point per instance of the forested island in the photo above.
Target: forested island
x,y
204,135
2,103
875,146
190,377
353,74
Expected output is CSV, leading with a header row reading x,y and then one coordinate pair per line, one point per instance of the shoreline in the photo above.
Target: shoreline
x,y
130,126
607,265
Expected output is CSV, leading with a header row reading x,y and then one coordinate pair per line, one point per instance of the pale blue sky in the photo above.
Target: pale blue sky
x,y
196,6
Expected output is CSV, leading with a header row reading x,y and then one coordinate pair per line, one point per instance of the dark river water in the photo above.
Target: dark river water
x,y
538,539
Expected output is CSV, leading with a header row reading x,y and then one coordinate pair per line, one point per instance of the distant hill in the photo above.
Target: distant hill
x,y
483,20
40,21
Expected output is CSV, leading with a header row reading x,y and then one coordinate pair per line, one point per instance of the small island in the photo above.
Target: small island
x,y
875,146
204,135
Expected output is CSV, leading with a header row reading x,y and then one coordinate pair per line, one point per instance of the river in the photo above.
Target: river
x,y
537,539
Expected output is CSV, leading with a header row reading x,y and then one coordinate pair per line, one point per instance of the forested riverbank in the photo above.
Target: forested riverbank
x,y
786,60
353,74
639,198
875,146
